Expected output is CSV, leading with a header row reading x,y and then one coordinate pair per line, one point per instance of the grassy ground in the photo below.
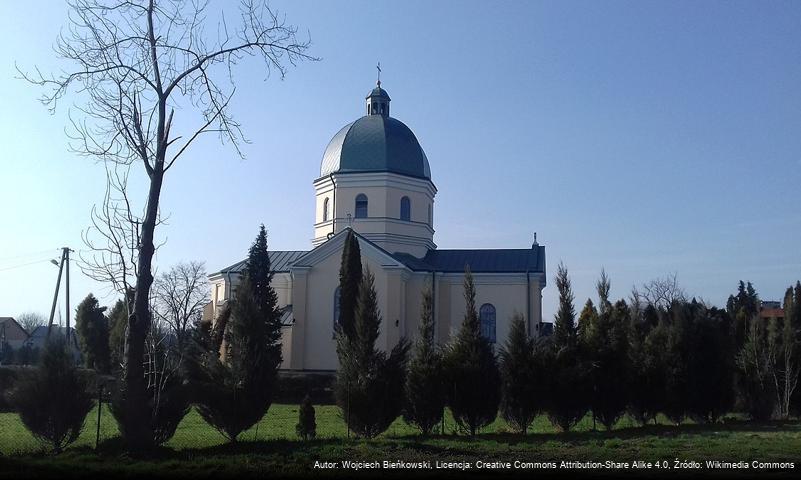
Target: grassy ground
x,y
271,447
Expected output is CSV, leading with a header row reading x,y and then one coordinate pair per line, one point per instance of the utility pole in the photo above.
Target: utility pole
x,y
65,258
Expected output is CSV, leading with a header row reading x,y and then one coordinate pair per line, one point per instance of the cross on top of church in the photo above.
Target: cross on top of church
x,y
378,67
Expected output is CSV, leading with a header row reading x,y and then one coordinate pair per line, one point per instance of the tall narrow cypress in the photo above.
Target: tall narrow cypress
x,y
350,277
474,390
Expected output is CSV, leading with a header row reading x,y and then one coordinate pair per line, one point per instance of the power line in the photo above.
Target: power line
x,y
49,251
24,265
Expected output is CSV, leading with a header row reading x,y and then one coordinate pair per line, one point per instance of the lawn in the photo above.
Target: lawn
x,y
199,451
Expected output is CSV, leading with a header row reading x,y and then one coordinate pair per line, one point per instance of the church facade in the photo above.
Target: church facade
x,y
376,180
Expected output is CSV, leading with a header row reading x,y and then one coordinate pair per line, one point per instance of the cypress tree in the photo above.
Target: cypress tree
x,y
93,335
610,367
350,279
234,389
307,425
474,379
646,349
710,364
569,387
118,321
425,391
522,375
53,400
564,329
369,385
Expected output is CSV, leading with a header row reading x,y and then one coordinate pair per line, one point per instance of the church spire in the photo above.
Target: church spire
x,y
378,99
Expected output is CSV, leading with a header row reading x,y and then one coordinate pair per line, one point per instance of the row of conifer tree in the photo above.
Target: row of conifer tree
x,y
683,360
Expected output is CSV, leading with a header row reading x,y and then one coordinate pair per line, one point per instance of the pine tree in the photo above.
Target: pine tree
x,y
472,369
603,286
569,386
425,393
522,377
93,335
307,426
53,400
350,278
369,385
588,324
234,389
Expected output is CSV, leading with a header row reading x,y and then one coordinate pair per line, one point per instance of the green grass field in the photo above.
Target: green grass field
x,y
198,450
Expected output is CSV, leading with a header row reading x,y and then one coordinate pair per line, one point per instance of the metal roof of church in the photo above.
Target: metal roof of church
x,y
502,260
280,261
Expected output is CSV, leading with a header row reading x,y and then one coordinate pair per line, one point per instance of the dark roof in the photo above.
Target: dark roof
x,y
280,261
375,143
286,316
378,92
511,260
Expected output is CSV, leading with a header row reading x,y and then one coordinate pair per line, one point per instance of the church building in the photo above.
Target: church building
x,y
376,180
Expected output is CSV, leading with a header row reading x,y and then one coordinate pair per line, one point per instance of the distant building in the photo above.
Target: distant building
x,y
38,339
12,335
771,309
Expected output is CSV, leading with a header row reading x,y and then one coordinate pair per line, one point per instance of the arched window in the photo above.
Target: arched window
x,y
336,311
325,209
406,209
487,316
361,206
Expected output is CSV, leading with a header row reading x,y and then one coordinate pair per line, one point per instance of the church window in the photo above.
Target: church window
x,y
336,311
361,206
487,316
405,209
325,209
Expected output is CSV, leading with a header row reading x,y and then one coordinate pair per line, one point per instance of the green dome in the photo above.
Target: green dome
x,y
375,143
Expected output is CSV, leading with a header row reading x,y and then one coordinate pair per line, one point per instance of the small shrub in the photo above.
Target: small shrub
x,y
53,401
307,426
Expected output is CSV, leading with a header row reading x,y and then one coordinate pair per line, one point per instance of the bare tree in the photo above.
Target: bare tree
x,y
30,320
133,62
660,292
179,297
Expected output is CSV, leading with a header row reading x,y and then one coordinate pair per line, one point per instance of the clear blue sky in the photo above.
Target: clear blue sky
x,y
644,137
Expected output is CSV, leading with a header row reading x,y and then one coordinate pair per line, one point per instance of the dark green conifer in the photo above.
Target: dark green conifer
x,y
472,369
425,389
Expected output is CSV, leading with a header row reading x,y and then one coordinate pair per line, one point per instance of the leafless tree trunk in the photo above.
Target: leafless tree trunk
x,y
134,62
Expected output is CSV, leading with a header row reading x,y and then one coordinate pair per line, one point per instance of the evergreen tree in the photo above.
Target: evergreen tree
x,y
564,329
91,325
603,286
369,386
795,322
522,377
350,279
474,379
569,387
425,392
53,400
588,323
118,321
307,426
677,351
608,357
234,380
710,365
648,377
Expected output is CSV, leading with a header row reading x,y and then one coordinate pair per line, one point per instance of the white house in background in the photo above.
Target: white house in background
x,y
375,179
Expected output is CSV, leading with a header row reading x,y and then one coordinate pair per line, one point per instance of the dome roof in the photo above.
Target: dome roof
x,y
379,92
375,143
